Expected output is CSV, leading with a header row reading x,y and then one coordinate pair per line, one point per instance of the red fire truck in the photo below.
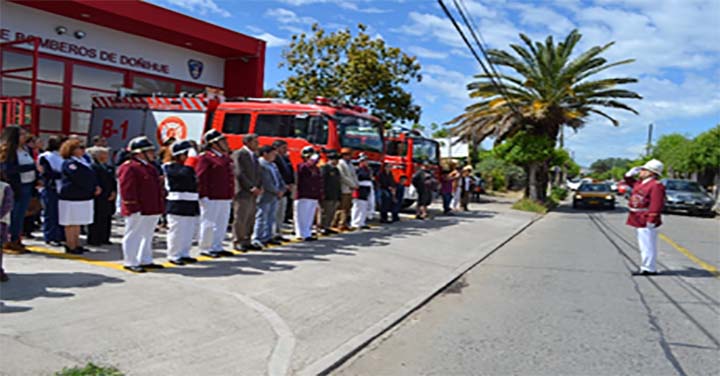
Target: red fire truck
x,y
405,150
324,124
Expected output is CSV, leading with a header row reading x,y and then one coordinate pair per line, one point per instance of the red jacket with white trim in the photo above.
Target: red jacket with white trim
x,y
646,202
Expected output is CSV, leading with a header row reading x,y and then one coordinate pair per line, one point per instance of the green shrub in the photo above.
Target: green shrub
x,y
558,193
90,369
530,205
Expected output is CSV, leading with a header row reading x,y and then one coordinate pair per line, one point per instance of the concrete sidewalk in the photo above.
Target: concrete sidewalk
x,y
289,310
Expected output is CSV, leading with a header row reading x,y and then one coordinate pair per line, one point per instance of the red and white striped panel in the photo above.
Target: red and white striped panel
x,y
153,103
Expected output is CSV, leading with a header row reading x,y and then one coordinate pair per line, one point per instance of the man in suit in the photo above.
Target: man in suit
x,y
282,162
247,189
349,180
273,188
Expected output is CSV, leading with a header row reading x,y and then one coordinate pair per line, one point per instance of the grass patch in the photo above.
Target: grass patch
x,y
90,369
532,206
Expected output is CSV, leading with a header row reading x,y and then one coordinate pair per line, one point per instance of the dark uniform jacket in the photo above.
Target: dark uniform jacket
x,y
363,174
247,172
106,180
285,168
181,182
140,188
331,179
386,180
309,181
215,176
78,181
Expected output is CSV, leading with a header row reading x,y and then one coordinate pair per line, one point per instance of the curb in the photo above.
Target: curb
x,y
335,359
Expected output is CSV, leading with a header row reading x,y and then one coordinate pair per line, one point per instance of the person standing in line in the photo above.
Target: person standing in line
x,y
398,198
309,194
362,195
78,188
6,205
349,183
446,190
216,187
51,172
182,208
386,183
247,190
646,204
273,188
465,184
331,193
143,201
33,215
101,228
21,173
282,162
424,194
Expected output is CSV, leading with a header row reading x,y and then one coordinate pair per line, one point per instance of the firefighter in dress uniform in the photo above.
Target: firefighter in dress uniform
x,y
309,194
142,196
216,187
182,207
645,205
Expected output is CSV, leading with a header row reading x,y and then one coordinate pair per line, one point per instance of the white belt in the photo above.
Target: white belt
x,y
639,209
183,196
365,183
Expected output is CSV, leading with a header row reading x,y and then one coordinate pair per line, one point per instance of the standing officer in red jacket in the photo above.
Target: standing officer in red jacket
x,y
309,193
142,203
646,204
216,187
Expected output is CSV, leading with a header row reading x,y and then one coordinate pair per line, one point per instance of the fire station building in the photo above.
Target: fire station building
x,y
57,55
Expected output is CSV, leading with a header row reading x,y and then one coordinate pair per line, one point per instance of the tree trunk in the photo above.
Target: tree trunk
x,y
532,185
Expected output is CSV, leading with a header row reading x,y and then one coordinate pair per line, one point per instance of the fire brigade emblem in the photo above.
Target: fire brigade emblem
x,y
195,67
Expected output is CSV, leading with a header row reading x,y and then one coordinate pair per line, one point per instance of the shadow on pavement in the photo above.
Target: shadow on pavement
x,y
689,272
28,286
286,257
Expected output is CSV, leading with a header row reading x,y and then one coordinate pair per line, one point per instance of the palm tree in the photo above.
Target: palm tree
x,y
548,91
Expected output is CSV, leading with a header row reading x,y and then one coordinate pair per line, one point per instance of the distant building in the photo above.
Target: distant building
x,y
452,147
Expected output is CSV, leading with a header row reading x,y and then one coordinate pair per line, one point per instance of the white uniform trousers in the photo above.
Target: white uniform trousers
x,y
370,212
304,216
280,216
358,214
455,203
647,240
214,218
181,230
137,241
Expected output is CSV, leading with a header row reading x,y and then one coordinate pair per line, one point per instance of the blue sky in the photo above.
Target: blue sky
x,y
676,44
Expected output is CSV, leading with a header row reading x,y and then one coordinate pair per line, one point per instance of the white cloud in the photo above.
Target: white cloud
x,y
426,53
272,40
286,16
202,7
344,4
448,83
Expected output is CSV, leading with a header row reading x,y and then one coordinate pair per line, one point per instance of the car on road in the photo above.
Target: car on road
x,y
687,196
594,195
574,184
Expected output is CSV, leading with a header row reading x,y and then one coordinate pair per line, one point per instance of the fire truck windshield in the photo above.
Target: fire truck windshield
x,y
425,149
360,133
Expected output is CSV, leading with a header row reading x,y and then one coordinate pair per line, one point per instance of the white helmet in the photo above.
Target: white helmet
x,y
654,166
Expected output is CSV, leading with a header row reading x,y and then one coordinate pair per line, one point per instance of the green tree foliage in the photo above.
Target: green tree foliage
x,y
499,174
272,93
547,90
354,68
705,151
602,166
674,151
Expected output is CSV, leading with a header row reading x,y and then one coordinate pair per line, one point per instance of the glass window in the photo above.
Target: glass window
x,y
12,87
82,99
50,119
236,123
144,85
79,122
312,128
49,70
275,125
426,150
98,78
49,94
360,134
396,148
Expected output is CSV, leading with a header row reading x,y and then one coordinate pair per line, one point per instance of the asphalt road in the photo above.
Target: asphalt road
x,y
559,300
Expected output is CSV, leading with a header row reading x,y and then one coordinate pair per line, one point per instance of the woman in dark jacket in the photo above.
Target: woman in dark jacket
x,y
104,206
19,168
78,187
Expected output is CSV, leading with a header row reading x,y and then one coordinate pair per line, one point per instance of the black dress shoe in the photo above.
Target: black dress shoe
x,y
152,266
252,247
644,273
76,251
281,239
84,249
224,253
310,239
210,254
366,227
274,242
188,260
135,269
54,243
177,262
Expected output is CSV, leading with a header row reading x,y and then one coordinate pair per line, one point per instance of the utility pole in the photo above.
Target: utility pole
x,y
649,141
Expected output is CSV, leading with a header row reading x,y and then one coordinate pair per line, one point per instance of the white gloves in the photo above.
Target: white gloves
x,y
633,171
